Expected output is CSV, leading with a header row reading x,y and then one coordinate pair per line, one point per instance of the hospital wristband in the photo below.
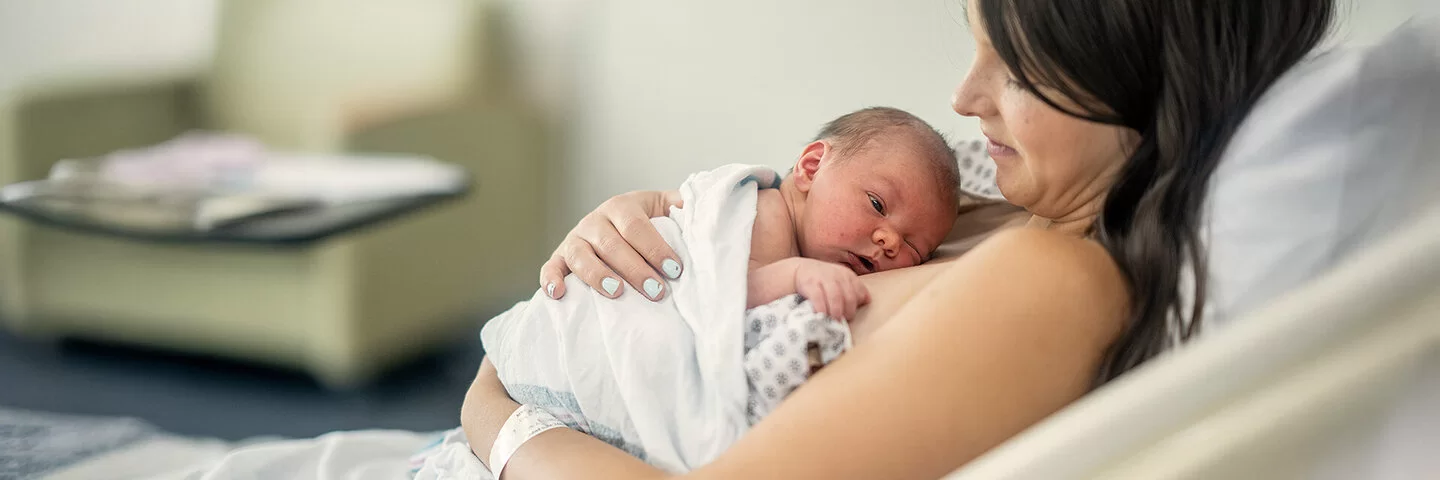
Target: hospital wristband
x,y
524,424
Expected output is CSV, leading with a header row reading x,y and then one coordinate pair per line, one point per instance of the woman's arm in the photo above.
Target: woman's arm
x,y
998,340
556,453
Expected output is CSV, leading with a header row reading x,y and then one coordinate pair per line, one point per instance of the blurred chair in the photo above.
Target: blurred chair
x,y
428,77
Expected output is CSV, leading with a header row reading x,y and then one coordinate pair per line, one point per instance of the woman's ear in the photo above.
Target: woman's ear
x,y
809,164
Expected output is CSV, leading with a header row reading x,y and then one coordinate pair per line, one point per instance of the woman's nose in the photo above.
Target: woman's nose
x,y
970,98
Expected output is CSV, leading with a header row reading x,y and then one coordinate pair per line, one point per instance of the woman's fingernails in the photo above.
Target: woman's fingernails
x,y
550,290
652,288
671,268
610,285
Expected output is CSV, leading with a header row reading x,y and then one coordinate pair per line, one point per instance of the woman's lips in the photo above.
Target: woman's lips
x,y
997,149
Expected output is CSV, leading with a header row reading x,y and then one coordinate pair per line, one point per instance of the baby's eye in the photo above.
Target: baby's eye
x,y
875,202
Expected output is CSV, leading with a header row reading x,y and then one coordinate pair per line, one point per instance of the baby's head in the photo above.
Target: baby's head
x,y
879,189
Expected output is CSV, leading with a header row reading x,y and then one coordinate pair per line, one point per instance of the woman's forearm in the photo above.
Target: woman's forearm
x,y
566,453
556,453
485,409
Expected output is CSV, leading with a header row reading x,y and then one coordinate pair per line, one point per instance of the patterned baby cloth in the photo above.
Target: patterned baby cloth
x,y
785,343
977,170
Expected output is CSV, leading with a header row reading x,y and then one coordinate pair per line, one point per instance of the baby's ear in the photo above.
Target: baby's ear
x,y
808,165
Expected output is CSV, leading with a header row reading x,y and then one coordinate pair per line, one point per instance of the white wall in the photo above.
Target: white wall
x,y
650,89
46,39
664,88
1365,21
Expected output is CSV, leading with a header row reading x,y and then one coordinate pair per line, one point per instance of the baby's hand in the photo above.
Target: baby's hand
x,y
832,288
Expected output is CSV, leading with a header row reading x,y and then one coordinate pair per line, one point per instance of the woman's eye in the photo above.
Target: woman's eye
x,y
875,202
1013,82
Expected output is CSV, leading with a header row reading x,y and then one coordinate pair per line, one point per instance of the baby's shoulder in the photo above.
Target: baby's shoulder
x,y
769,206
772,234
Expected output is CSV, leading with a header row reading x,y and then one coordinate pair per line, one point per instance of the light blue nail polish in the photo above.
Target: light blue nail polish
x,y
610,285
550,290
671,268
652,288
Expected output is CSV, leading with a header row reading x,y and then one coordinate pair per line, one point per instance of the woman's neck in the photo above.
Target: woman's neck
x,y
1078,227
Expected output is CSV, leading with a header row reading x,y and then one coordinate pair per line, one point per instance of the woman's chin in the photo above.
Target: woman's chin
x,y
1007,188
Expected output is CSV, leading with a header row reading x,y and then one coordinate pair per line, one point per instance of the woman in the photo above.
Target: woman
x,y
1105,120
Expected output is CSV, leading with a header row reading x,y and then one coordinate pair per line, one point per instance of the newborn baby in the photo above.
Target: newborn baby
x,y
675,382
877,190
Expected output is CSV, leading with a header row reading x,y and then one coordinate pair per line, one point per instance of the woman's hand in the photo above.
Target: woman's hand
x,y
617,237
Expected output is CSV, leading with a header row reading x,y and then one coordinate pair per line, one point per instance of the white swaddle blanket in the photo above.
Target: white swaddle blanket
x,y
622,362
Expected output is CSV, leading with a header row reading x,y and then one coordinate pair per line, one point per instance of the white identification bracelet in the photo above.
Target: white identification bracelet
x,y
523,425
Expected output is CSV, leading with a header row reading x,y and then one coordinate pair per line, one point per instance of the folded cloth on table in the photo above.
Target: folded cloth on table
x,y
226,164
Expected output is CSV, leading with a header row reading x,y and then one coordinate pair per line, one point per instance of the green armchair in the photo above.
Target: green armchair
x,y
429,78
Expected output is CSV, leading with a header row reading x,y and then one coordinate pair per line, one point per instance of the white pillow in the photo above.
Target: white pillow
x,y
1343,149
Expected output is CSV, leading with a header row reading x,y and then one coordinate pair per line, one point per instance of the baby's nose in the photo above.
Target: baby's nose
x,y
893,261
888,241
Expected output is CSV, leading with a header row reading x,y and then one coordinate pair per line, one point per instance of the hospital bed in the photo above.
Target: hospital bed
x,y
1304,388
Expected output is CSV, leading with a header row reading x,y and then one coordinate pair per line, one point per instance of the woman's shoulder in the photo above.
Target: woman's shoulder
x,y
1054,264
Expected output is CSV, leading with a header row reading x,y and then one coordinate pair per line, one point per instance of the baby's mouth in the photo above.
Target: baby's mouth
x,y
869,265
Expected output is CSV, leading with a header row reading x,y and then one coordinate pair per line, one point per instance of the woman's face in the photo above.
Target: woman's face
x,y
1055,165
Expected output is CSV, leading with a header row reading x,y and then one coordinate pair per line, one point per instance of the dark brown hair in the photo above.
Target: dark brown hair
x,y
1181,73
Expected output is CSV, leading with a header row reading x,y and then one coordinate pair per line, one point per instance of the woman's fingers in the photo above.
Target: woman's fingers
x,y
615,245
646,240
633,269
552,276
630,214
585,264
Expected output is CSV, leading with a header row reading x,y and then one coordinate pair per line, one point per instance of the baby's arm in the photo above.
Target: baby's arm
x,y
770,282
771,243
832,289
776,271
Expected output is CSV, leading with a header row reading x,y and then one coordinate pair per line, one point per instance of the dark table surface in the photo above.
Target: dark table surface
x,y
296,226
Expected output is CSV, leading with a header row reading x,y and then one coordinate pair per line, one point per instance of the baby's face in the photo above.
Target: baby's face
x,y
877,210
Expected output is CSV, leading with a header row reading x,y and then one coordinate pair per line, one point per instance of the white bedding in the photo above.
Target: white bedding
x,y
357,455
